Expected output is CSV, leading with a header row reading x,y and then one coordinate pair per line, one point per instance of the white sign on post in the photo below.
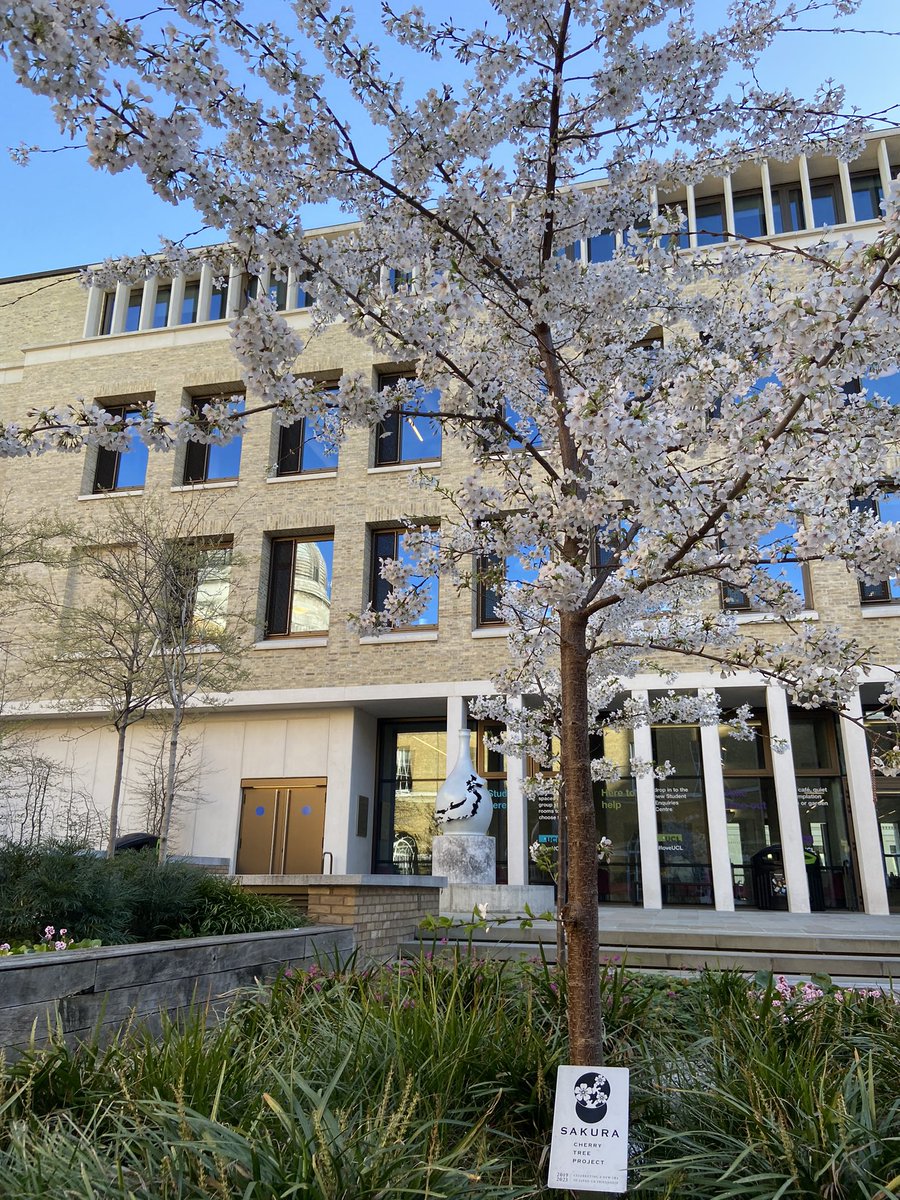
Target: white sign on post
x,y
589,1150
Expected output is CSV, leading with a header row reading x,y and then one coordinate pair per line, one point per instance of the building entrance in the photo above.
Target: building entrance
x,y
282,827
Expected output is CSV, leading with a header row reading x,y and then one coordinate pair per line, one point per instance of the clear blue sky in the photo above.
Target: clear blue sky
x,y
58,212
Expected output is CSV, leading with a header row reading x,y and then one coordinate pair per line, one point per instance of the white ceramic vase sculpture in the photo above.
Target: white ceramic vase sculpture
x,y
463,803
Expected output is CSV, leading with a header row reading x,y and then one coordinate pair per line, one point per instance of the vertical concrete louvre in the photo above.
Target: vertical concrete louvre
x,y
120,307
691,215
729,203
786,801
176,300
884,165
766,181
516,817
651,884
806,191
862,810
204,296
714,787
846,191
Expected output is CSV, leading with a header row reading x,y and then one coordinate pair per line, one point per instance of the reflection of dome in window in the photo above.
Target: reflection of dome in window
x,y
311,603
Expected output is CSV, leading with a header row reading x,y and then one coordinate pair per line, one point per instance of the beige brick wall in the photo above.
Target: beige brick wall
x,y
166,363
381,917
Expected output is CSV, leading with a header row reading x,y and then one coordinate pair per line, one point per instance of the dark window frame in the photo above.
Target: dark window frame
x,y
392,431
380,589
734,599
880,592
109,462
292,440
197,454
275,600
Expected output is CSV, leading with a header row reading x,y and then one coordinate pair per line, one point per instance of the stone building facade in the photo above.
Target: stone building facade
x,y
329,755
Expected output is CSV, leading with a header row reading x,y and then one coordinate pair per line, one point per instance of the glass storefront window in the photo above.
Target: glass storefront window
x,y
752,826
682,830
615,806
491,765
412,766
883,734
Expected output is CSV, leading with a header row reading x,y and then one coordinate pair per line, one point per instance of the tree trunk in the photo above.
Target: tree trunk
x,y
122,731
579,913
169,793
562,872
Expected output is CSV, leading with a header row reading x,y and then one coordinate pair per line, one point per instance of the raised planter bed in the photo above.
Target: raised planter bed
x,y
83,991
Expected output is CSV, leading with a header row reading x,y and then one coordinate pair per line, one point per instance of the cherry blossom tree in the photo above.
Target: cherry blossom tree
x,y
625,477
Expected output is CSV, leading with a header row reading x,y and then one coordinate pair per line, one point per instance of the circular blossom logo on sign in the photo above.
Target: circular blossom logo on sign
x,y
591,1094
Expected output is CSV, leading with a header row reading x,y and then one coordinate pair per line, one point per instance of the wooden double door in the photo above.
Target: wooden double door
x,y
282,827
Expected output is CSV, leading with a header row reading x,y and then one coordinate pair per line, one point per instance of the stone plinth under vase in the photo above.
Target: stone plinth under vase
x,y
464,858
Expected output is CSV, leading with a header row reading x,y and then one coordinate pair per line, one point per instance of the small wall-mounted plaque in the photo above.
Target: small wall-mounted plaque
x,y
362,816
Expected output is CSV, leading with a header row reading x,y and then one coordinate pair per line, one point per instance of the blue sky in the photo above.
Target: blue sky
x,y
58,212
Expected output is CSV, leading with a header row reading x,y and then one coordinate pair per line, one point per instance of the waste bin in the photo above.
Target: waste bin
x,y
769,882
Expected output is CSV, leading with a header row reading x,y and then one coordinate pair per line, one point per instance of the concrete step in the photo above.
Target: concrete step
x,y
708,939
844,966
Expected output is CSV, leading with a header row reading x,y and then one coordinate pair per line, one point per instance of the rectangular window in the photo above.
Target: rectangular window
x,y
190,304
218,302
278,293
887,509
489,583
391,543
867,196
299,586
303,296
106,313
785,570
121,470
710,221
400,283
601,246
302,449
133,312
161,306
212,579
205,463
404,436
787,209
827,206
749,215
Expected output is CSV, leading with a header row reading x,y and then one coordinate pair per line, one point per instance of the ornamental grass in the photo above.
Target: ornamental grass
x,y
434,1078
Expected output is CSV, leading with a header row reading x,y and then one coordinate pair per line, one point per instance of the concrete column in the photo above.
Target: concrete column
x,y
884,165
729,204
862,810
787,804
846,192
94,309
766,181
806,192
457,717
176,300
716,819
516,817
148,302
691,216
204,295
645,792
233,299
292,282
120,307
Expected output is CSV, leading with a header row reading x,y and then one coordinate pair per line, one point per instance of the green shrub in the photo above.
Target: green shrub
x,y
128,898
